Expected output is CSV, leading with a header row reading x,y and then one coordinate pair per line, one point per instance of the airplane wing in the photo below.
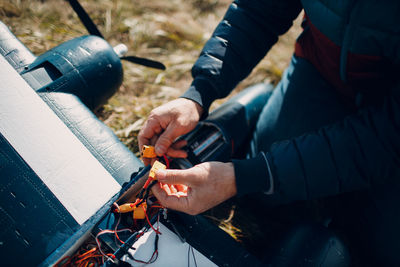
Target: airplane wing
x,y
61,169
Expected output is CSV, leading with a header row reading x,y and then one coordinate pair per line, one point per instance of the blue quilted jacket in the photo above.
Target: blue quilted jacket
x,y
361,39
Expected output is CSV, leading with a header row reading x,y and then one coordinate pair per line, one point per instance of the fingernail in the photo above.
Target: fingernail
x,y
160,150
161,175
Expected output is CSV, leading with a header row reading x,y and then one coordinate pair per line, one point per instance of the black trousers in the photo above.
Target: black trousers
x,y
368,221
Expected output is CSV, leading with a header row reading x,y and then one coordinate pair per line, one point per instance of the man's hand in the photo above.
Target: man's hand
x,y
208,184
166,123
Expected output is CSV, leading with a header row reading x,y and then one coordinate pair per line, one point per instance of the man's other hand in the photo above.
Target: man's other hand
x,y
208,184
166,123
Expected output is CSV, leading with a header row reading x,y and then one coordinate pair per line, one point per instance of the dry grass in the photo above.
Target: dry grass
x,y
171,31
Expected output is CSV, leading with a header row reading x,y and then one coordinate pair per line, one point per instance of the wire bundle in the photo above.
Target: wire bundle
x,y
94,255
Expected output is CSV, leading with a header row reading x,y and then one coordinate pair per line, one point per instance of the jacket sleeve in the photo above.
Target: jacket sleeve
x,y
360,152
240,41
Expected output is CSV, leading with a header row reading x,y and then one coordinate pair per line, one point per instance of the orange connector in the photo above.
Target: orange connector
x,y
156,166
139,212
124,208
148,152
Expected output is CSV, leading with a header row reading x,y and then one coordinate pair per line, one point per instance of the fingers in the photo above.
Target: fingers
x,y
150,129
149,136
166,189
166,139
148,161
166,123
198,189
176,177
170,201
173,189
175,150
177,153
176,190
181,188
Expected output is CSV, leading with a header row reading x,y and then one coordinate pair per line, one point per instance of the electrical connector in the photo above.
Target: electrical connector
x,y
124,208
139,212
156,166
148,152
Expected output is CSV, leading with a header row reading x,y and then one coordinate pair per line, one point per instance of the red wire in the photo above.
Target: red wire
x,y
111,255
109,232
136,202
146,184
116,226
148,221
166,161
122,230
149,180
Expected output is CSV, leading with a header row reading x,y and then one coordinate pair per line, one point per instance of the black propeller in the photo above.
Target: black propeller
x,y
93,30
145,62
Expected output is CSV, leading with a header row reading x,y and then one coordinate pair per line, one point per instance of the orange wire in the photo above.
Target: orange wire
x,y
88,257
87,252
117,236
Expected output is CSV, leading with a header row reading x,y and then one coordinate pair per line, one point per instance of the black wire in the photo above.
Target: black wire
x,y
154,256
188,256
194,258
144,198
140,195
149,187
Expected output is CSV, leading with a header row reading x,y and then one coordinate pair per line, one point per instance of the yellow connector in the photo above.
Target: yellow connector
x,y
124,208
148,152
156,166
140,211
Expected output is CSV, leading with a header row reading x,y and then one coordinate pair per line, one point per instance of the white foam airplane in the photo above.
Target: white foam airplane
x,y
61,168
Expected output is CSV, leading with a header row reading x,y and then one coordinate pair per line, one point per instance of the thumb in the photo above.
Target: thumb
x,y
165,140
174,177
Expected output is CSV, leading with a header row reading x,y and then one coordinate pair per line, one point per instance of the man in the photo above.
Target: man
x,y
331,126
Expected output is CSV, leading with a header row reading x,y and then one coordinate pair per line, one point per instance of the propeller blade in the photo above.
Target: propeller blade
x,y
84,17
93,30
145,62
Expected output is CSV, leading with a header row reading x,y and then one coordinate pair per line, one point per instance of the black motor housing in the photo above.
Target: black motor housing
x,y
86,66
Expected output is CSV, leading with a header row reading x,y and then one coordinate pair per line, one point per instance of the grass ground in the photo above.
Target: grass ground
x,y
172,31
